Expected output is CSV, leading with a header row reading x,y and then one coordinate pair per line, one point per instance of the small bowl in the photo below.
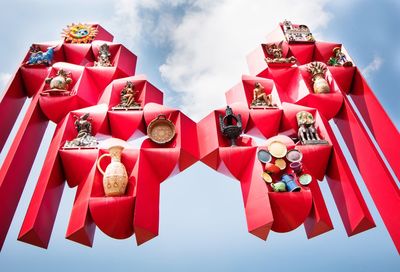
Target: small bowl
x,y
264,156
294,155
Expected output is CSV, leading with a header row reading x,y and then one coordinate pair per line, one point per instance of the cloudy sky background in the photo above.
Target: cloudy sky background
x,y
194,51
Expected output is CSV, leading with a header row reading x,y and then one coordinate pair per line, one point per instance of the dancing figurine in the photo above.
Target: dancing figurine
x,y
84,139
307,132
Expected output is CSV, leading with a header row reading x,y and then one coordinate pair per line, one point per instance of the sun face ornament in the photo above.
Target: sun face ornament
x,y
79,33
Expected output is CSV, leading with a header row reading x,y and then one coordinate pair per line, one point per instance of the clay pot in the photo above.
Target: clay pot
x,y
115,177
320,84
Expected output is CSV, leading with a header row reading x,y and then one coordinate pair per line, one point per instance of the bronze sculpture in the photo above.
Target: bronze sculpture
x,y
339,58
230,125
104,58
84,138
275,51
127,98
307,132
260,98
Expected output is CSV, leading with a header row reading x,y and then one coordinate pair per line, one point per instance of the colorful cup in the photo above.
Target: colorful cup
x,y
291,185
297,167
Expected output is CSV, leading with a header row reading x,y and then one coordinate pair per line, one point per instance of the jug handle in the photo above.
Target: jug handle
x,y
98,162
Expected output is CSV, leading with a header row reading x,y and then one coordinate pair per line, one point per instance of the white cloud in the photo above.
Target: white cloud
x,y
4,79
372,67
210,44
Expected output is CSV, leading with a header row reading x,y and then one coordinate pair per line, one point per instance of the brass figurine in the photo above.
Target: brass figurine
x,y
339,58
127,97
307,132
104,58
318,70
230,125
275,51
59,84
84,139
260,98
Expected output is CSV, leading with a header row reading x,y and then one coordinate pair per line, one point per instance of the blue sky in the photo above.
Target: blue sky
x,y
194,51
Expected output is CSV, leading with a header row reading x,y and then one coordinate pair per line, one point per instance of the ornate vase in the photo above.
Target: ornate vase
x,y
115,177
320,84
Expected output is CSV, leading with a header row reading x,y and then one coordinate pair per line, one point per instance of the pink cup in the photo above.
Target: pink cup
x,y
296,167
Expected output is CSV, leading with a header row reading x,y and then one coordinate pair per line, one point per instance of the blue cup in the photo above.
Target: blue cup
x,y
291,185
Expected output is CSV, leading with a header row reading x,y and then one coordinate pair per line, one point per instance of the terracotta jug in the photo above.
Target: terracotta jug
x,y
115,177
320,84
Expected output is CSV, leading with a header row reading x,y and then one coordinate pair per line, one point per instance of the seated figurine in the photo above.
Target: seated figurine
x,y
127,97
260,98
104,58
339,58
307,132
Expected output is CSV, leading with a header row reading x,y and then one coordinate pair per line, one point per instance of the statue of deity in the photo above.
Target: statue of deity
x,y
339,58
127,98
260,98
307,132
84,139
104,58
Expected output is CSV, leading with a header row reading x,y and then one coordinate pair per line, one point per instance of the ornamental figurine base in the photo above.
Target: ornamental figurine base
x,y
84,139
38,57
104,58
275,56
318,70
307,132
299,33
115,177
230,125
261,100
58,84
339,58
127,98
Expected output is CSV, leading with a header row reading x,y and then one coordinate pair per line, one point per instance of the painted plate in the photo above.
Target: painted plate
x,y
305,179
277,149
264,156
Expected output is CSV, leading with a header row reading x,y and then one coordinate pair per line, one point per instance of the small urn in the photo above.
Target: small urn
x,y
231,125
115,178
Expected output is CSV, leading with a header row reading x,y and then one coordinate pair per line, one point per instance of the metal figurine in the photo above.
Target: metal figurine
x,y
299,33
104,58
37,57
231,125
59,84
339,58
127,97
318,70
260,98
275,51
84,139
307,132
